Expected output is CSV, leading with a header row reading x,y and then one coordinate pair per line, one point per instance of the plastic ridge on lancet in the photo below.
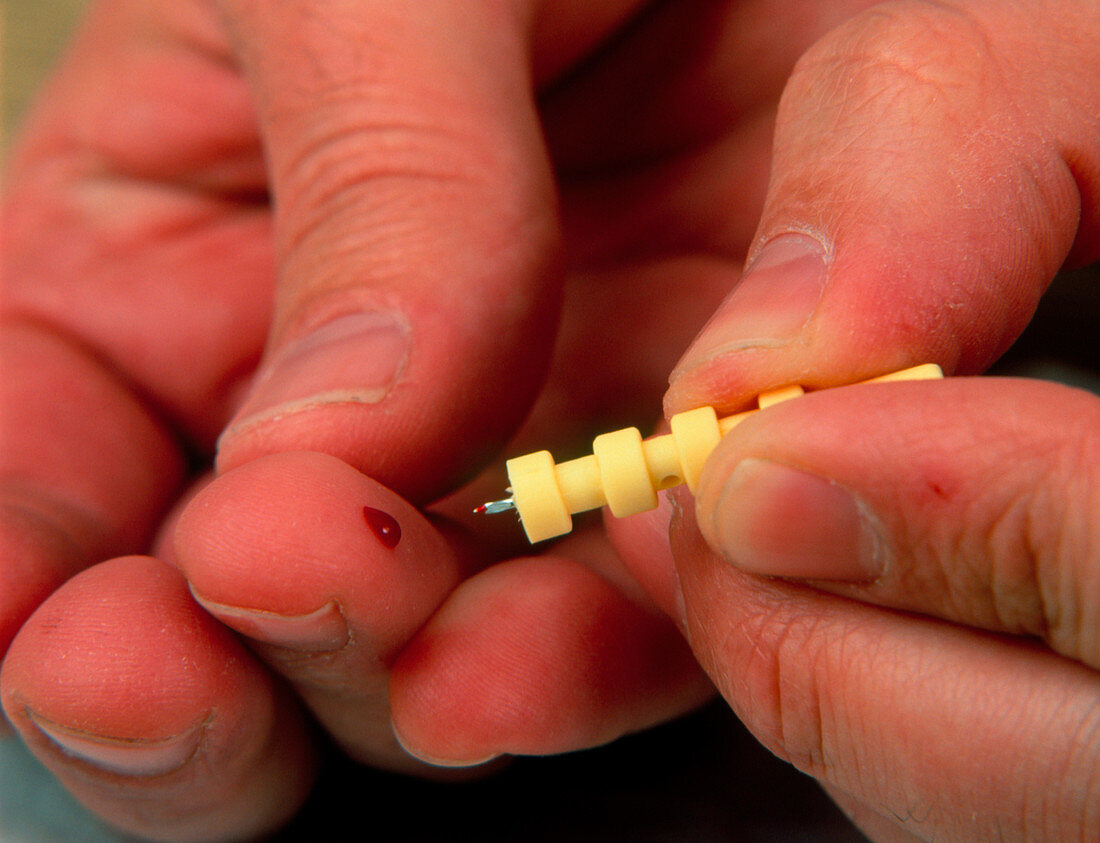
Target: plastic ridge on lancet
x,y
625,472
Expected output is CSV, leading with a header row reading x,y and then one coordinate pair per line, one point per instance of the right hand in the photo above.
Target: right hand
x,y
897,586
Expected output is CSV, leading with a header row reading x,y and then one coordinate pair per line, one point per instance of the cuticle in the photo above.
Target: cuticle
x,y
807,232
332,601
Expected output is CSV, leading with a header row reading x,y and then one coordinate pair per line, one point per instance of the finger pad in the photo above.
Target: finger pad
x,y
537,656
291,533
121,650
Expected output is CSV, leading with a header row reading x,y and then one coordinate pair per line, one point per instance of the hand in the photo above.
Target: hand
x,y
896,586
654,199
418,316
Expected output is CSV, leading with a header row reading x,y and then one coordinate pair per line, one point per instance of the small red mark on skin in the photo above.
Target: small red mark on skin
x,y
383,525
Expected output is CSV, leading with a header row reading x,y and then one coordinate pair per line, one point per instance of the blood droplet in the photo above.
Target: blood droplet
x,y
383,525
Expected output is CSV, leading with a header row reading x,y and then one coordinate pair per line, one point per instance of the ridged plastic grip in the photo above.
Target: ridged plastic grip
x,y
625,471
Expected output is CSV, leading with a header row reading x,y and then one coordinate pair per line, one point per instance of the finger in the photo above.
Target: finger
x,y
150,712
931,172
538,656
142,232
641,545
971,500
99,202
414,227
956,734
870,822
84,470
328,574
163,546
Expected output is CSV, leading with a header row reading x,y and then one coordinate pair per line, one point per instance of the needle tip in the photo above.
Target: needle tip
x,y
493,507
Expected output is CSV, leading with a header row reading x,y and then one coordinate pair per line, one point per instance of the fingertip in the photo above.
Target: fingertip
x,y
772,304
456,762
287,535
100,621
150,712
537,656
952,501
417,256
936,248
327,574
374,415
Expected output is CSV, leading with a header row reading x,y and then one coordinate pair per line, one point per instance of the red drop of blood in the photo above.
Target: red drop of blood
x,y
383,525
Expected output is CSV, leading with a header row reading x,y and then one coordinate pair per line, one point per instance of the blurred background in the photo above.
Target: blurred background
x,y
31,34
701,779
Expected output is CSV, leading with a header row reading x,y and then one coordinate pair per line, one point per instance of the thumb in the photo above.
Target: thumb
x,y
414,224
934,165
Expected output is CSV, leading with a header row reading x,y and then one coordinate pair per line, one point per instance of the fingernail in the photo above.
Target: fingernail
x,y
324,630
355,358
130,757
771,304
781,521
442,762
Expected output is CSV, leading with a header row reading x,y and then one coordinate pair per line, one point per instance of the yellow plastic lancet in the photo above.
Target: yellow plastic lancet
x,y
625,471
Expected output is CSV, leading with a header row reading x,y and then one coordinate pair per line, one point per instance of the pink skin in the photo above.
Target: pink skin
x,y
968,502
862,697
494,244
340,604
67,494
138,246
321,623
165,723
460,691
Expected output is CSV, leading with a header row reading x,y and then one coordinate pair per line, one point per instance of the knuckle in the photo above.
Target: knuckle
x,y
897,60
1037,545
1069,799
368,169
377,186
778,680
987,563
1063,529
1013,587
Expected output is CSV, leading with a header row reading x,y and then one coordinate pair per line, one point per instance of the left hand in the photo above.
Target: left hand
x,y
406,150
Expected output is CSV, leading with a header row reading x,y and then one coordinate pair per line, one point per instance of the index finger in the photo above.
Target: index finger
x,y
968,500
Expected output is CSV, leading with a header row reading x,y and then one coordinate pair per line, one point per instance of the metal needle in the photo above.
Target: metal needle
x,y
493,507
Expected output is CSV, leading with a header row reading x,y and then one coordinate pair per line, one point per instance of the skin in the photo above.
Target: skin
x,y
501,224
